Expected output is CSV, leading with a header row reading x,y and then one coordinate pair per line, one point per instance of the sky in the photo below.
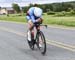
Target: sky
x,y
8,3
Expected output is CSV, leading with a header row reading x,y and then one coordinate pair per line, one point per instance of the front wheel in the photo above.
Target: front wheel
x,y
41,42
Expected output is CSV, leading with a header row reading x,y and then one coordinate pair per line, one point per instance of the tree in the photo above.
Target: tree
x,y
31,5
25,9
16,7
56,7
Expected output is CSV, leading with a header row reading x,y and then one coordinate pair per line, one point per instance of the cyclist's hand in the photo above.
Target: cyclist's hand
x,y
39,20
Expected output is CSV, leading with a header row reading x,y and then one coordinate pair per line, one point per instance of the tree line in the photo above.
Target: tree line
x,y
55,7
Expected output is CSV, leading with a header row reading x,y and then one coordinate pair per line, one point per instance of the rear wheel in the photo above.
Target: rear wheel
x,y
41,42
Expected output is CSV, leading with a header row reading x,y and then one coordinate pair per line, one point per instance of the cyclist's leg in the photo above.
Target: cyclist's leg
x,y
30,25
30,28
31,33
38,28
39,21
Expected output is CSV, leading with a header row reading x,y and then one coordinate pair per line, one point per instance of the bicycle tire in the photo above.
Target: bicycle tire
x,y
44,42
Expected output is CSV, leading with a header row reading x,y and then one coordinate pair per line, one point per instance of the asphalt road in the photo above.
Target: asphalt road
x,y
13,44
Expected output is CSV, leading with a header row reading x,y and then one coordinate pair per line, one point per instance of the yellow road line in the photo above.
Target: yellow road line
x,y
51,42
63,44
67,48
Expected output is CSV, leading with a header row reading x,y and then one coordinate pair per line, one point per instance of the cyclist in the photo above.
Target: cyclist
x,y
34,16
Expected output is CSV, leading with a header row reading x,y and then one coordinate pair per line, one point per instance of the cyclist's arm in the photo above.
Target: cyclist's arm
x,y
33,19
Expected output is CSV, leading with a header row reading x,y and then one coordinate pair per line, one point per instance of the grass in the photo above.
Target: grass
x,y
66,21
15,18
48,19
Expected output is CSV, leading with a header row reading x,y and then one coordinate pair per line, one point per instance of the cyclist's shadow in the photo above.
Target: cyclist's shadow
x,y
28,51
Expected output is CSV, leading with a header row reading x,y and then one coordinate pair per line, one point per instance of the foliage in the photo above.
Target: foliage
x,y
25,9
72,12
63,13
48,19
16,7
50,13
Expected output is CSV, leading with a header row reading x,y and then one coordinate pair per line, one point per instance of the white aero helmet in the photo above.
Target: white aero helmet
x,y
38,12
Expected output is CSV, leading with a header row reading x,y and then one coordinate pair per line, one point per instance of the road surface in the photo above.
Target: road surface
x,y
13,44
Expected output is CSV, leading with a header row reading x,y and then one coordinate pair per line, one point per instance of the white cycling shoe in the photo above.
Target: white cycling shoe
x,y
40,45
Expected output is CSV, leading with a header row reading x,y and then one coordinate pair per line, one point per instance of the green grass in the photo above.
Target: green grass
x,y
66,21
48,19
14,18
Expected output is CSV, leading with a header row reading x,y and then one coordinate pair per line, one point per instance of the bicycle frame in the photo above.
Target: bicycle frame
x,y
37,26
